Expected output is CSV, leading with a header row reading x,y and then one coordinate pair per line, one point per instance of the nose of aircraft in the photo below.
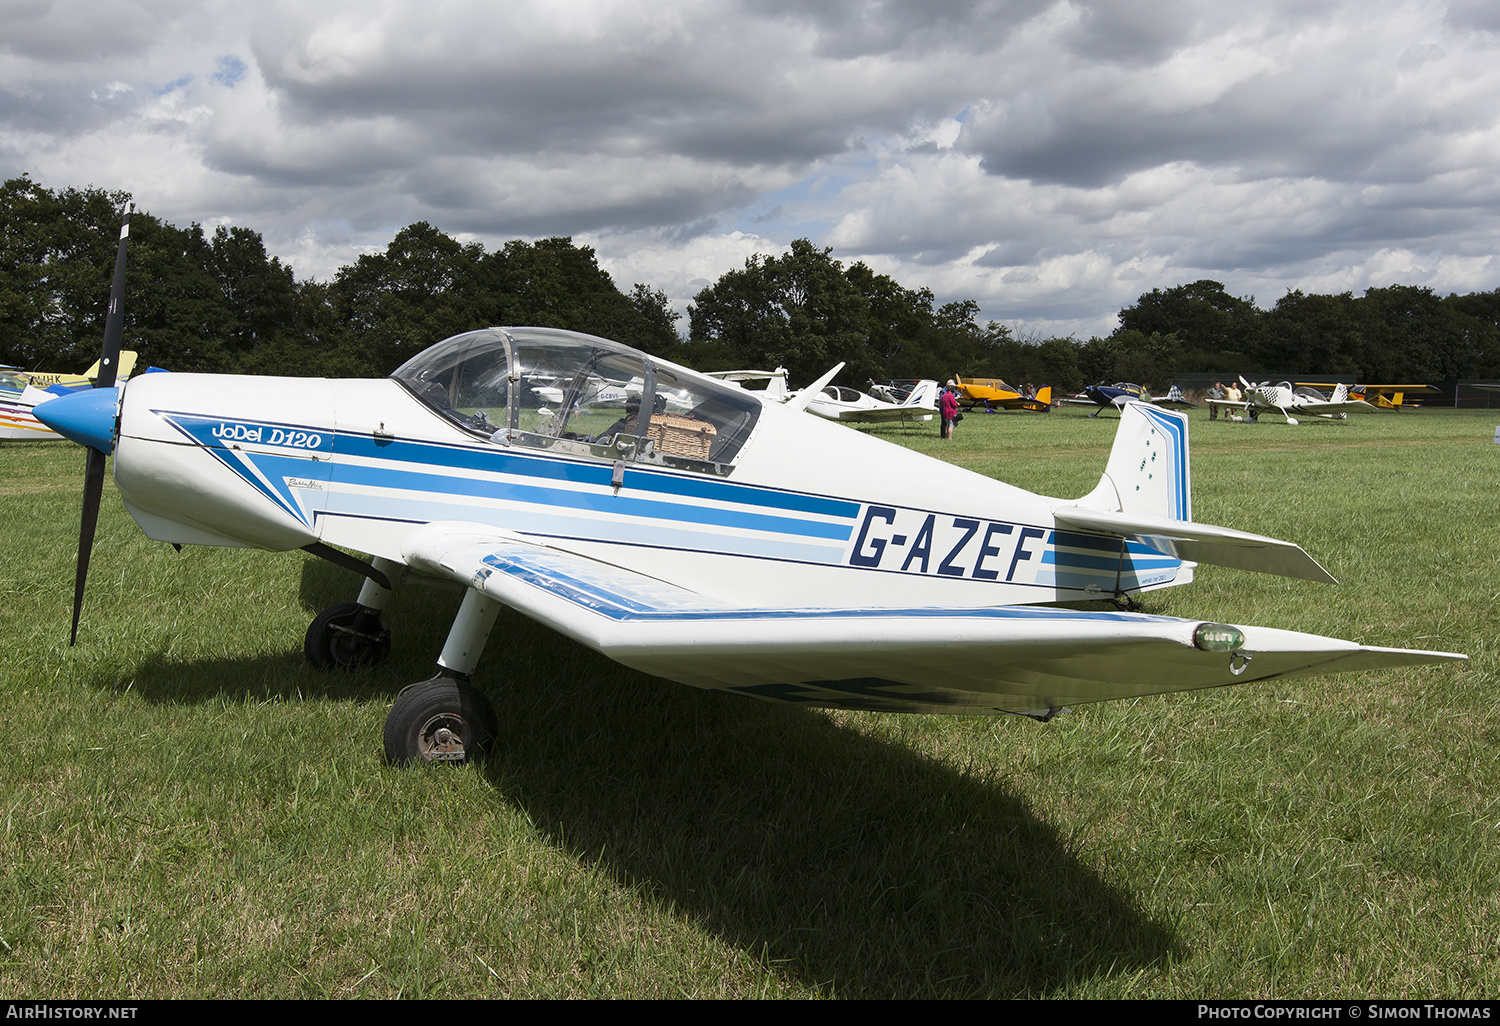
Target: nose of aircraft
x,y
86,417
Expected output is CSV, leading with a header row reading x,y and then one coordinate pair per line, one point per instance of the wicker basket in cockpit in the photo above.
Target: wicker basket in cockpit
x,y
681,436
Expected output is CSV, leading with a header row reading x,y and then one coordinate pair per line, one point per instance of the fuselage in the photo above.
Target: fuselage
x,y
805,512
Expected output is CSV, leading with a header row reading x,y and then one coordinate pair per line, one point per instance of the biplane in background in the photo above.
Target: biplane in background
x,y
21,391
1385,397
1118,395
1286,400
995,393
740,546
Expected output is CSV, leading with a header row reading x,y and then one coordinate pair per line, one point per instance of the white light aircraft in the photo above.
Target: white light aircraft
x,y
851,406
1285,399
836,402
741,546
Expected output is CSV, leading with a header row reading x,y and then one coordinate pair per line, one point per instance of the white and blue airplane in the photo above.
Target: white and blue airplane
x,y
739,545
1304,399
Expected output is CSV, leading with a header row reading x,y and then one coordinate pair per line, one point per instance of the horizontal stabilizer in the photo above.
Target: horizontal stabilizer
x,y
1200,543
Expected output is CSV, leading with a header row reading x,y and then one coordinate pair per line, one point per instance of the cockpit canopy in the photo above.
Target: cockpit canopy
x,y
581,395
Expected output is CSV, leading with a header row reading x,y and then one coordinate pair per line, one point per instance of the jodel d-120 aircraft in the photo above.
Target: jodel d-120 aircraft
x,y
741,545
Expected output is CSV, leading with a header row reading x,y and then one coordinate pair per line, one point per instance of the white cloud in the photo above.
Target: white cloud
x,y
1050,158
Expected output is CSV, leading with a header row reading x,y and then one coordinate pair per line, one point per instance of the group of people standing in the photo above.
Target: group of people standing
x,y
1219,391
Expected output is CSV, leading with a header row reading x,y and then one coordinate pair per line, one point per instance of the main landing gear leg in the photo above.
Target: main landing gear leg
x,y
446,719
353,634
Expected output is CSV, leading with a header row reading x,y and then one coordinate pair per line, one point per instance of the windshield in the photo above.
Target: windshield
x,y
581,395
465,378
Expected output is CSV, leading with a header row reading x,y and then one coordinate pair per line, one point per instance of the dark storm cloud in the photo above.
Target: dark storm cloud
x,y
703,96
1128,32
76,33
856,28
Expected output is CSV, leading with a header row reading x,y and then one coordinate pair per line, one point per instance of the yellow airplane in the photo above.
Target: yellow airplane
x,y
994,392
21,390
1386,397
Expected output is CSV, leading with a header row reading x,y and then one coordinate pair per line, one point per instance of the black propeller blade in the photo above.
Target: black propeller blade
x,y
93,475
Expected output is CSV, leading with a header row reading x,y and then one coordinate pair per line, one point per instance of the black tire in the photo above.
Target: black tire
x,y
438,720
337,640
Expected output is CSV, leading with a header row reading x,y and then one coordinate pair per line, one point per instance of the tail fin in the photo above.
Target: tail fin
x,y
1145,496
1148,473
776,386
1341,393
1044,395
924,395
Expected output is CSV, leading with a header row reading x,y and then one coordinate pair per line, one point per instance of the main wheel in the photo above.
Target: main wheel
x,y
438,720
346,637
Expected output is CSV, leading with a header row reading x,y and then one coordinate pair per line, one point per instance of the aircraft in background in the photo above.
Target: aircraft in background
x,y
836,402
1385,397
774,390
740,546
1286,400
1121,393
21,391
993,392
851,406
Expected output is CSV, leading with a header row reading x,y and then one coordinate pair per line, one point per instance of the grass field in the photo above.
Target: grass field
x,y
187,810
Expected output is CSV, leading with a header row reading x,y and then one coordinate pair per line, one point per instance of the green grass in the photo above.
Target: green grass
x,y
186,810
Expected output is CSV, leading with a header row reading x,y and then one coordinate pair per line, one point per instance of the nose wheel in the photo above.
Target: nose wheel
x,y
346,637
438,720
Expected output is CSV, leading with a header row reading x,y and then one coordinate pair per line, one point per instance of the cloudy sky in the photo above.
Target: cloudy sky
x,y
1051,159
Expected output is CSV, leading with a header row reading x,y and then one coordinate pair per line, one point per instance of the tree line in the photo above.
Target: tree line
x,y
216,301
200,301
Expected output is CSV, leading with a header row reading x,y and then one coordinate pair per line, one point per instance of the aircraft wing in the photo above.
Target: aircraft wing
x,y
1015,659
1228,404
884,416
1348,406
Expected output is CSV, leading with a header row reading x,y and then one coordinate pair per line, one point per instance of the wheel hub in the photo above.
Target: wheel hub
x,y
441,738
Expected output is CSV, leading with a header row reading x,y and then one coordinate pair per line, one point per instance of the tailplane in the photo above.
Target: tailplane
x,y
1145,496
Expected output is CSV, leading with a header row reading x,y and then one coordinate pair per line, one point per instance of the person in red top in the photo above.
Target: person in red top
x,y
948,404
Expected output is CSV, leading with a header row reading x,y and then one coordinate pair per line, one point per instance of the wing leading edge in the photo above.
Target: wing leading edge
x,y
1013,659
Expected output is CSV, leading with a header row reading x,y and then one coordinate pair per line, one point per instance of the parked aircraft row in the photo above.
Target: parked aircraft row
x,y
736,544
887,401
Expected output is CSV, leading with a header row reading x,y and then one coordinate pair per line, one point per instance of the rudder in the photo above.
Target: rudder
x,y
1149,472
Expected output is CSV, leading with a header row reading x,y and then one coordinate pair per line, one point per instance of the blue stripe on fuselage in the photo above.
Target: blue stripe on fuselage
x,y
614,504
522,463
